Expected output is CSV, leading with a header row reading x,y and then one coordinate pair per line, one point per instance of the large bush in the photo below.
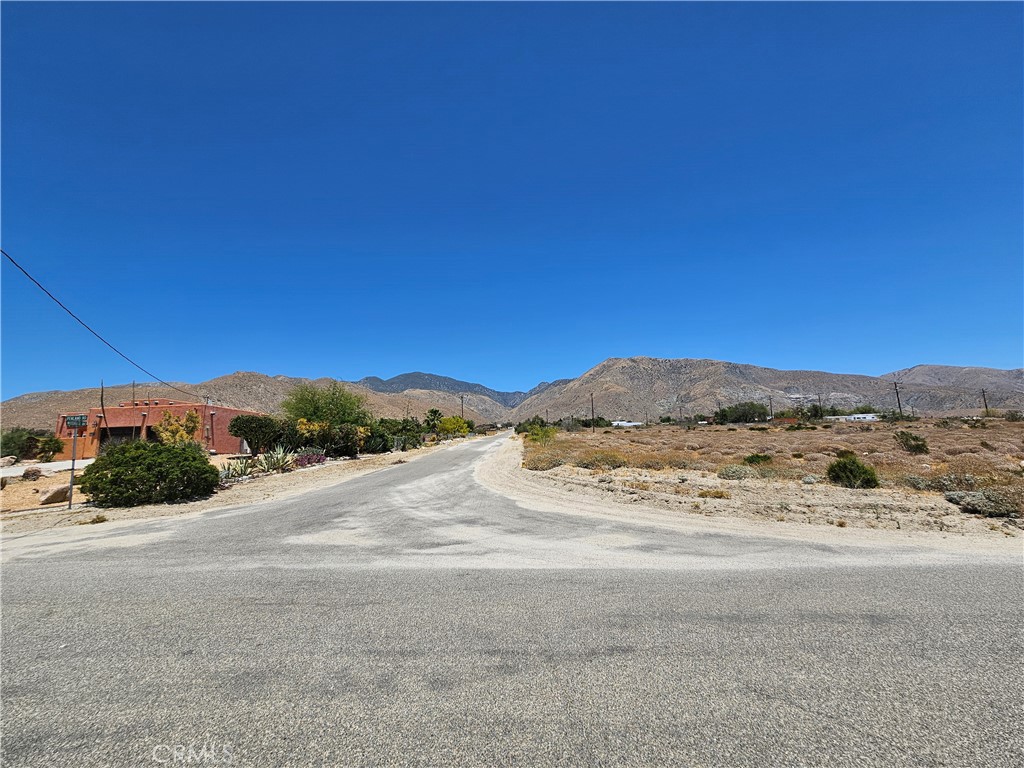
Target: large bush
x,y
910,442
332,403
849,472
30,444
140,472
259,432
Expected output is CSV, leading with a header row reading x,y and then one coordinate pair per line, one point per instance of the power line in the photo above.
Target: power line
x,y
94,333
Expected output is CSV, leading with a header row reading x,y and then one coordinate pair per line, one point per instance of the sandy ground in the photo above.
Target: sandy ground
x,y
767,507
246,492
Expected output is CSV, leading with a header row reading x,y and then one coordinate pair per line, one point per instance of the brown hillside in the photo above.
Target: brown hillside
x,y
245,389
632,388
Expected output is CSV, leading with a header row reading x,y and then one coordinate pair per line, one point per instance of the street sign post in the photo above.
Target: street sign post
x,y
74,422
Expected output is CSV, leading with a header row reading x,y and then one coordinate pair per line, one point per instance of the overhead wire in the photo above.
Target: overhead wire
x,y
87,327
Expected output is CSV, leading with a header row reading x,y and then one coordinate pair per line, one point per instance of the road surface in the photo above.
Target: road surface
x,y
414,617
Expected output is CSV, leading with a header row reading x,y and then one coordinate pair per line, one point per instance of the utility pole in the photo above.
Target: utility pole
x,y
680,415
547,420
463,399
985,401
896,386
593,417
771,409
820,406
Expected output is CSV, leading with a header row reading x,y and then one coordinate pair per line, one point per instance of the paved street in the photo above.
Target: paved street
x,y
413,617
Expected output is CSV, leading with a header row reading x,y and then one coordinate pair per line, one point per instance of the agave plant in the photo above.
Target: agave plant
x,y
237,468
277,460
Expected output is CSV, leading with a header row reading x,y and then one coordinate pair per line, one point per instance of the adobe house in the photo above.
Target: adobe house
x,y
135,419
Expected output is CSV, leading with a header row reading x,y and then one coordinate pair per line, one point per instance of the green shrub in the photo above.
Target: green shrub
x,y
30,444
1013,416
849,472
845,453
910,442
259,432
140,472
757,458
542,435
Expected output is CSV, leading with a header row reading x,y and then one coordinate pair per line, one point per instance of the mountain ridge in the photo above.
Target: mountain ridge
x,y
632,388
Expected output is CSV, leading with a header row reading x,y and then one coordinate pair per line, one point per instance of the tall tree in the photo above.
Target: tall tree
x,y
332,403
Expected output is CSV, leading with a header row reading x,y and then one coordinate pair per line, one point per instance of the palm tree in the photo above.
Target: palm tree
x,y
432,420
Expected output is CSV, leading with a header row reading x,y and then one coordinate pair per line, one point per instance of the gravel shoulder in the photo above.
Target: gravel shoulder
x,y
779,509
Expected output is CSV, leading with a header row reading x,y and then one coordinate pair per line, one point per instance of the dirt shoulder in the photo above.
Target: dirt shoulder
x,y
787,509
251,491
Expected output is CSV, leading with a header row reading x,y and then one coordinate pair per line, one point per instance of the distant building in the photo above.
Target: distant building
x,y
856,417
135,419
627,423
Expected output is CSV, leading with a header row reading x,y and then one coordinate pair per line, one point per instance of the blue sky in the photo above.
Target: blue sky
x,y
509,193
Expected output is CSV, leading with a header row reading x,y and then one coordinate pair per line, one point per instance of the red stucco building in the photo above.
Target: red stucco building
x,y
135,419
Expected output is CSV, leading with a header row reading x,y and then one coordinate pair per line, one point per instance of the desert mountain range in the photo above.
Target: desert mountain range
x,y
624,388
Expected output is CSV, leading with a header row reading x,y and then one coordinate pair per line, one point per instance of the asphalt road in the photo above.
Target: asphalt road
x,y
412,617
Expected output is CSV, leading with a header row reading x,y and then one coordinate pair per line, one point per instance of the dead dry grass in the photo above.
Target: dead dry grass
x,y
669,462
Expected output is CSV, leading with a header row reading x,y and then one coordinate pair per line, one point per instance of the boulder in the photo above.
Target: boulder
x,y
53,494
8,461
32,473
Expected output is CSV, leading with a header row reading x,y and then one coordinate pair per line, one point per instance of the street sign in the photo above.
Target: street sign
x,y
76,421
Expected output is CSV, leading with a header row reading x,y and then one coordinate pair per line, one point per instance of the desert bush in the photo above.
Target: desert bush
x,y
648,461
797,455
845,453
1013,416
953,481
849,472
917,483
910,442
714,493
986,502
601,459
541,434
736,472
141,472
757,458
543,460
